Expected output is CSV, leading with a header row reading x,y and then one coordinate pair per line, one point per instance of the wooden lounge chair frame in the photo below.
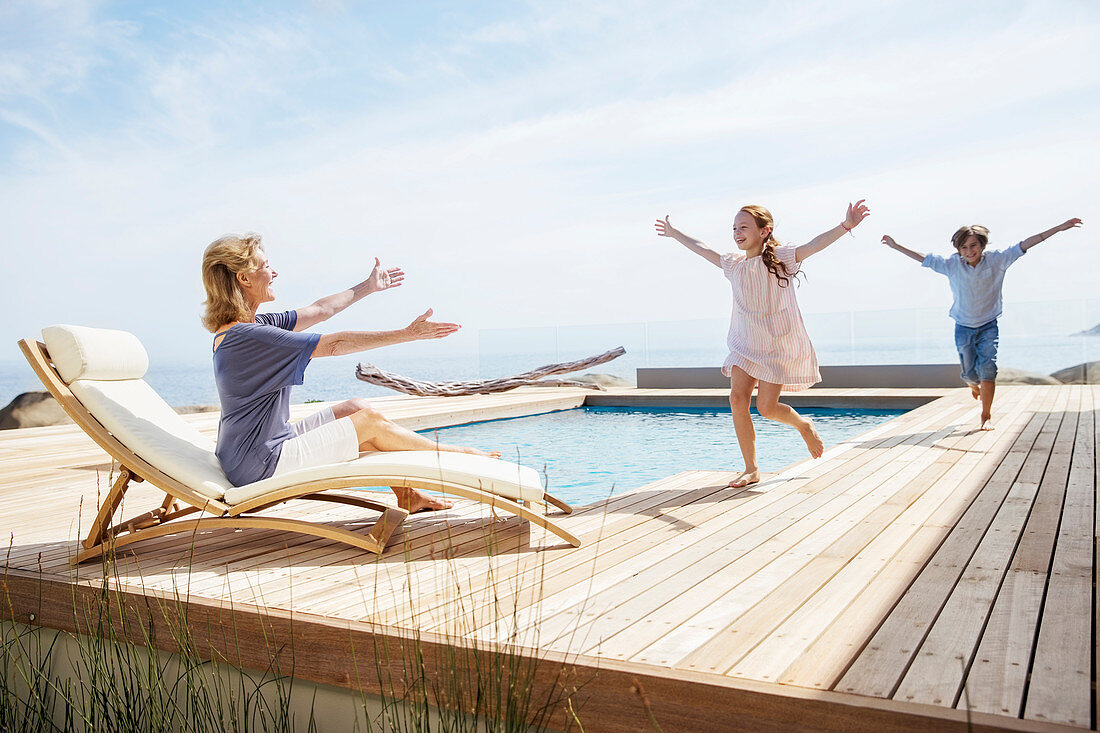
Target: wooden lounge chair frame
x,y
182,501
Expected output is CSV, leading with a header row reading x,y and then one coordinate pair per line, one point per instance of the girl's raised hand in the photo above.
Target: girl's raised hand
x,y
1070,224
888,240
665,228
857,212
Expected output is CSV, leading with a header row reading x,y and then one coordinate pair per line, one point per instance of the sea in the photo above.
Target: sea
x,y
838,339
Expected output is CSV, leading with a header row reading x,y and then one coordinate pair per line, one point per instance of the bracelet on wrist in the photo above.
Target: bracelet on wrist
x,y
845,228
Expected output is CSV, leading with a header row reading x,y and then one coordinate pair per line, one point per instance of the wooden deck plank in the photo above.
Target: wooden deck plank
x,y
894,497
943,658
1061,674
998,676
891,559
705,558
738,584
879,667
824,660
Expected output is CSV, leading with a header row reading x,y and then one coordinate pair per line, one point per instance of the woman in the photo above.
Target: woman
x,y
259,357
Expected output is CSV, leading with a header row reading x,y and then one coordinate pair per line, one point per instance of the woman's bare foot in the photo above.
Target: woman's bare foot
x,y
975,392
414,500
813,440
987,423
486,453
747,478
469,451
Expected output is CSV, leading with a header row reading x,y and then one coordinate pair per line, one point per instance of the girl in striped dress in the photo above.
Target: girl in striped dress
x,y
769,347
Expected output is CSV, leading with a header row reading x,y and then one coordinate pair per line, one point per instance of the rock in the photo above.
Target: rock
x,y
192,409
1094,331
602,380
1008,375
32,410
39,409
1087,373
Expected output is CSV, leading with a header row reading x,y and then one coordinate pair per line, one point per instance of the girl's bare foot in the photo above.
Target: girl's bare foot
x,y
987,423
975,392
813,440
747,478
415,501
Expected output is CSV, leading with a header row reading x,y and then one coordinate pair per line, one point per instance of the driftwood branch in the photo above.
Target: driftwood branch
x,y
372,374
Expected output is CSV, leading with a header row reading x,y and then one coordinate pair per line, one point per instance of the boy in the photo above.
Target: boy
x,y
976,277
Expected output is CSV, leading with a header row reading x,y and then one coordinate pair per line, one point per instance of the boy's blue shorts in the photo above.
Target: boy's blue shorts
x,y
978,352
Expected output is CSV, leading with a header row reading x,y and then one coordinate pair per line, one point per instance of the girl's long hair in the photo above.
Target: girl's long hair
x,y
222,260
763,218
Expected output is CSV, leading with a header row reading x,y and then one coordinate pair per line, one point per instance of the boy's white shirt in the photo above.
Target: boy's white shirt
x,y
977,289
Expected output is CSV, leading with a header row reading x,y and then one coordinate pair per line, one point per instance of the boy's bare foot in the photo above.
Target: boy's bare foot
x,y
987,423
747,478
975,391
415,501
813,440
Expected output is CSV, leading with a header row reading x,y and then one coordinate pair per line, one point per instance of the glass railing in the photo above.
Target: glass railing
x,y
1041,337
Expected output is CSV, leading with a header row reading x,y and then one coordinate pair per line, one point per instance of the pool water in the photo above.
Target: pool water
x,y
590,453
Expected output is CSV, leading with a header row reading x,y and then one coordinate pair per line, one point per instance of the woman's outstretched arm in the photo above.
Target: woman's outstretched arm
x,y
857,212
380,279
889,242
665,229
351,342
1042,236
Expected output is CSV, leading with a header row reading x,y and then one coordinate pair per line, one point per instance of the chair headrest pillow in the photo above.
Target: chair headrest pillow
x,y
80,352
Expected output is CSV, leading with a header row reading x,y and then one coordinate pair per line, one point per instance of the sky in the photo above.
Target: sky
x,y
512,157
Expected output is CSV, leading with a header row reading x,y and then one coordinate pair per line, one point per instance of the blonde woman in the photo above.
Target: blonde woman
x,y
258,357
769,347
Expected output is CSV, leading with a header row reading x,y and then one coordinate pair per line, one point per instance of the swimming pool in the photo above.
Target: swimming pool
x,y
591,453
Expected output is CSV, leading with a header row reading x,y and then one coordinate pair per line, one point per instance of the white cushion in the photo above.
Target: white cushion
x,y
145,424
491,475
80,352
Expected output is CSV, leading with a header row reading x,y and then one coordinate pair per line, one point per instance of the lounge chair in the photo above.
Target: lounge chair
x,y
96,376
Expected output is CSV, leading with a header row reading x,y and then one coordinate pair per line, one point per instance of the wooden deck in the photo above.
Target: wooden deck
x,y
915,577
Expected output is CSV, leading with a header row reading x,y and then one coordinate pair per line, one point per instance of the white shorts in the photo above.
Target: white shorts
x,y
320,439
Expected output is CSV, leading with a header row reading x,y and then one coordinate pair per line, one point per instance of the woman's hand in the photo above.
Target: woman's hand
x,y
422,328
1069,224
857,212
889,241
665,228
381,279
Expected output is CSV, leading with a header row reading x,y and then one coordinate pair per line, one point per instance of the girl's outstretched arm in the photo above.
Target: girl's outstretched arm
x,y
889,242
379,279
665,229
857,212
1042,236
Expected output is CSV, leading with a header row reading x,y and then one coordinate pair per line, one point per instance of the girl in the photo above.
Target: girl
x,y
769,346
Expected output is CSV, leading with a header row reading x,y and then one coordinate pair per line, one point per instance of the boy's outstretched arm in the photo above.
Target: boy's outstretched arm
x,y
665,229
1042,236
889,242
857,212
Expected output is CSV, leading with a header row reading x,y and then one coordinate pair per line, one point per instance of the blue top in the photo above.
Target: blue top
x,y
977,289
255,366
